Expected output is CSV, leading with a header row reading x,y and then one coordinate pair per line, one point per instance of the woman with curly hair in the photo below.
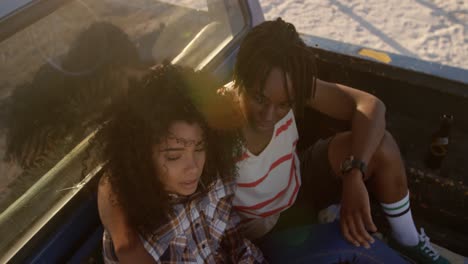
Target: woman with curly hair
x,y
166,195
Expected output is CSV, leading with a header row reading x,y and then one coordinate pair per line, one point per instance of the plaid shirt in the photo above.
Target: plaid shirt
x,y
204,229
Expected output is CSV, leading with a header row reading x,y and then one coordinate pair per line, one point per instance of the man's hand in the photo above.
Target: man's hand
x,y
355,215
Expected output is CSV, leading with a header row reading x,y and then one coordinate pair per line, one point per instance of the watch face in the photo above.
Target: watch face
x,y
346,165
351,163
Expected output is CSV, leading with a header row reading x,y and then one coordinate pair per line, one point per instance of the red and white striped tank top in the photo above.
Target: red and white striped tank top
x,y
268,183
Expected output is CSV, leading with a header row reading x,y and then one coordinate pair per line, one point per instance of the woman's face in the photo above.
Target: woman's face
x,y
264,109
180,157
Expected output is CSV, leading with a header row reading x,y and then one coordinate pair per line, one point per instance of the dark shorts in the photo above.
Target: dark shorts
x,y
321,187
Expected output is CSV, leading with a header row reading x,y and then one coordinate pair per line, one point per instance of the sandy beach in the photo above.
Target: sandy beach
x,y
432,30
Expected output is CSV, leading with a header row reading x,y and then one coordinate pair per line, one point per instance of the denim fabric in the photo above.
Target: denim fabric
x,y
323,243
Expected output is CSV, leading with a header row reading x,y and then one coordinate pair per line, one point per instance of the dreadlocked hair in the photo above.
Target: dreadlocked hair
x,y
276,44
141,120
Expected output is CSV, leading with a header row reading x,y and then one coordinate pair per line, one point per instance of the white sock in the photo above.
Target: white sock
x,y
399,216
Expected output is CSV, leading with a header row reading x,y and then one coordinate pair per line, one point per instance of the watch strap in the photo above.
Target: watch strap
x,y
352,163
361,165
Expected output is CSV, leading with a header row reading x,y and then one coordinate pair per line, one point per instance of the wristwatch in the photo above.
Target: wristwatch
x,y
351,163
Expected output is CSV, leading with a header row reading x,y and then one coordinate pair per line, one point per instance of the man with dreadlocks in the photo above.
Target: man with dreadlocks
x,y
274,80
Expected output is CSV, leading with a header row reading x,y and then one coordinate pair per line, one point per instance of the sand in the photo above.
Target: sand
x,y
432,30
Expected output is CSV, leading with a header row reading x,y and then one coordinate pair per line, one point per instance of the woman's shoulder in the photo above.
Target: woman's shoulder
x,y
113,217
106,196
105,192
110,211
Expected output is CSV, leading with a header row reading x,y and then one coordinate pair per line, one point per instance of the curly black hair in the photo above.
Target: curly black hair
x,y
137,122
276,44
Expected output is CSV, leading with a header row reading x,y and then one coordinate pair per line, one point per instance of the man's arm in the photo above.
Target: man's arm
x,y
127,244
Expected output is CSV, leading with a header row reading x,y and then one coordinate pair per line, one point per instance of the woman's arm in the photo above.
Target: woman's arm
x,y
367,116
127,244
365,111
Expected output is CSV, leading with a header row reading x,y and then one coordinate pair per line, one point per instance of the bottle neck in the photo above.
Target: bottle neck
x,y
445,126
444,130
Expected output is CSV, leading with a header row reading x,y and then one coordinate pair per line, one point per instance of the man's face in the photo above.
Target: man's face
x,y
264,109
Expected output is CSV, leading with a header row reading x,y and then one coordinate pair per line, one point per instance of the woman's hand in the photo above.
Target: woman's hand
x,y
355,215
